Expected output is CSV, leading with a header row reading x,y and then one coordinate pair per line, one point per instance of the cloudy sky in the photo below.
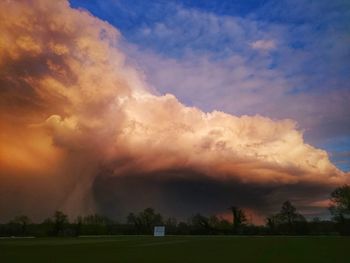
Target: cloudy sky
x,y
282,59
184,106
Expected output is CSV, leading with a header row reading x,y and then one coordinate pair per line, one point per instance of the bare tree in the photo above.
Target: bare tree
x,y
238,218
23,221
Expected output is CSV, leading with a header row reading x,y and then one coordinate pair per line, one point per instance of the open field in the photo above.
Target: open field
x,y
176,249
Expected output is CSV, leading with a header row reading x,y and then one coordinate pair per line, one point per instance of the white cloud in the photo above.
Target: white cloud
x,y
264,45
205,61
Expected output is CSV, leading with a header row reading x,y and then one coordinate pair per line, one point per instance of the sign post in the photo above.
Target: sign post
x,y
159,231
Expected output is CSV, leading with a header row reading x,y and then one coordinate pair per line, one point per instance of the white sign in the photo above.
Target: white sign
x,y
159,231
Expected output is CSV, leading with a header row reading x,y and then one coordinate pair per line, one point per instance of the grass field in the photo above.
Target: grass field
x,y
176,249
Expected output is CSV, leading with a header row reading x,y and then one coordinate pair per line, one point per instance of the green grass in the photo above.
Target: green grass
x,y
176,249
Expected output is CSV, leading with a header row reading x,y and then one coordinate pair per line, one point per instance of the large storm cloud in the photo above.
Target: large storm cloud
x,y
81,131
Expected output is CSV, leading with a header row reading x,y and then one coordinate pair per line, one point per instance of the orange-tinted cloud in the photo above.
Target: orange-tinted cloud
x,y
74,113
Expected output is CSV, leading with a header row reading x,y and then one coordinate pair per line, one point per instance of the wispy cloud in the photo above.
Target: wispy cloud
x,y
263,45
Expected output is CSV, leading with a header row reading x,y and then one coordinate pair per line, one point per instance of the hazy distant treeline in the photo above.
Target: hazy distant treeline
x,y
285,222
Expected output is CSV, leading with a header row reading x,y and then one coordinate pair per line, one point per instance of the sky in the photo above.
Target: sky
x,y
184,106
281,59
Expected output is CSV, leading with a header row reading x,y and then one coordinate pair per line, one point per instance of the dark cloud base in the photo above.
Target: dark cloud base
x,y
181,193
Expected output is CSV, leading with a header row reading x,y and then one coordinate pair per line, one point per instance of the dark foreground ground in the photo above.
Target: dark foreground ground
x,y
176,249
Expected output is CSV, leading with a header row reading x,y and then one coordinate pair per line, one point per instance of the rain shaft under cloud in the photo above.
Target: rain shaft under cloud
x,y
82,132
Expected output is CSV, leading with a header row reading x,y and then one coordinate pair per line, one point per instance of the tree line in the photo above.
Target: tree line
x,y
288,221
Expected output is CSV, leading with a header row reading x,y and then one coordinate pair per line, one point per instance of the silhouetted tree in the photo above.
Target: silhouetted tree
x,y
23,222
60,220
219,225
321,227
183,228
340,208
287,221
340,199
78,225
131,218
149,218
238,218
214,221
96,219
200,224
145,220
272,222
289,215
170,225
96,224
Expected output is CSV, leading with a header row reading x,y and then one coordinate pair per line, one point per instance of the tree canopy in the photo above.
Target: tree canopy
x,y
340,199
